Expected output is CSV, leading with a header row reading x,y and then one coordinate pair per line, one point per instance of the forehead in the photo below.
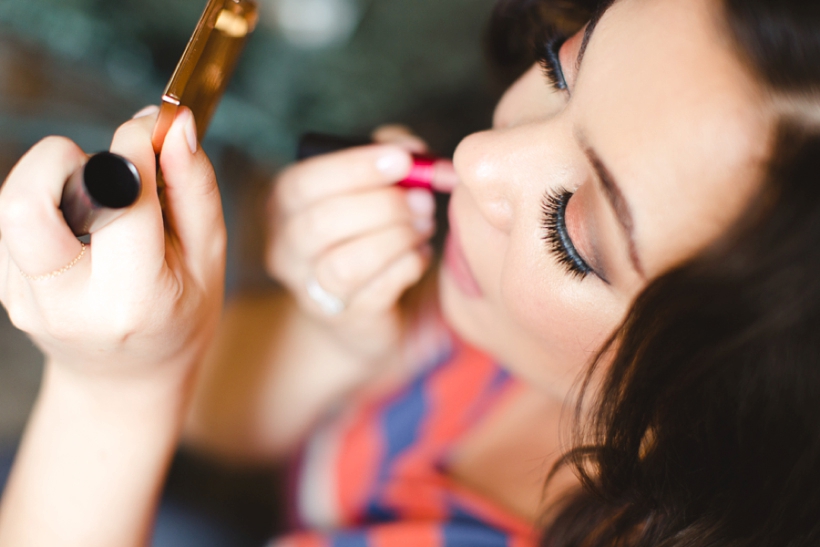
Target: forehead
x,y
670,109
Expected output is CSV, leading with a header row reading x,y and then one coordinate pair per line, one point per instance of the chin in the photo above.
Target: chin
x,y
475,322
468,317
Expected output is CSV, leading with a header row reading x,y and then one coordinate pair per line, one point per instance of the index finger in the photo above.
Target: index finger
x,y
32,226
346,171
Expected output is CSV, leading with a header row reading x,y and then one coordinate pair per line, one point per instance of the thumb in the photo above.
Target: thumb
x,y
193,205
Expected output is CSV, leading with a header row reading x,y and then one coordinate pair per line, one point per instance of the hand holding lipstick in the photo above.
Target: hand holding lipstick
x,y
340,221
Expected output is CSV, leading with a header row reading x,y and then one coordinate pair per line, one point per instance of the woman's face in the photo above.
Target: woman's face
x,y
576,198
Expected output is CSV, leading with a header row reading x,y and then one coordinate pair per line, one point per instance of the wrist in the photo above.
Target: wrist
x,y
121,395
93,460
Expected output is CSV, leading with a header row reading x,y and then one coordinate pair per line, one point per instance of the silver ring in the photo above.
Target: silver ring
x,y
330,304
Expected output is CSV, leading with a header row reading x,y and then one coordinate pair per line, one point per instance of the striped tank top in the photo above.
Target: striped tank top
x,y
375,473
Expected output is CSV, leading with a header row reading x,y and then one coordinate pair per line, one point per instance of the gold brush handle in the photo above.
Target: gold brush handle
x,y
206,65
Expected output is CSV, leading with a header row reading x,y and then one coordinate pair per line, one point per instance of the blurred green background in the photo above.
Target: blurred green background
x,y
79,68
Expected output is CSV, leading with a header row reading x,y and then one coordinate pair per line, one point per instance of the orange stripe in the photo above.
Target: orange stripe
x,y
494,515
417,489
453,393
360,452
412,490
530,541
419,495
406,535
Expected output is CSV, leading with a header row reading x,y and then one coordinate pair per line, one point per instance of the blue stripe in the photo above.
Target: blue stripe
x,y
464,528
349,539
499,380
462,534
401,421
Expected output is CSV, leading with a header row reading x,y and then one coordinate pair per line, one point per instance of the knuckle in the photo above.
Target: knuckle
x,y
58,328
271,267
407,271
128,320
317,224
20,318
292,234
353,266
288,189
405,237
123,132
343,270
307,221
273,263
134,135
133,126
281,266
396,203
386,132
14,211
61,148
311,231
416,266
274,199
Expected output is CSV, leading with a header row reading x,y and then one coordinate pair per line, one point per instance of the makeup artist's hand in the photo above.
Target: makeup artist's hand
x,y
141,295
339,220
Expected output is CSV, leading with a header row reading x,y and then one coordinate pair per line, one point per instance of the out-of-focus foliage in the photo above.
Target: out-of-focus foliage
x,y
412,61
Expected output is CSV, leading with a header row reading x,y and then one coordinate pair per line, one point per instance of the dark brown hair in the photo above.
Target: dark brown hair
x,y
706,430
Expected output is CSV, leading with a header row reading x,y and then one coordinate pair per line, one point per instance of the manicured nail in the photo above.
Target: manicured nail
x,y
421,202
189,127
394,163
149,110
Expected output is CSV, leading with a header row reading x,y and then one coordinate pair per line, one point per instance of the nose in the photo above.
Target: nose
x,y
507,170
482,169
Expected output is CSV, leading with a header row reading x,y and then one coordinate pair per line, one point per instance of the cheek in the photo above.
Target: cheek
x,y
567,318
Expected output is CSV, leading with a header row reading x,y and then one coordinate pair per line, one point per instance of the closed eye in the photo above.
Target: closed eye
x,y
556,235
547,46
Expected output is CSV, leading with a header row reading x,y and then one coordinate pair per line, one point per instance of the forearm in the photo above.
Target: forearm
x,y
92,462
271,373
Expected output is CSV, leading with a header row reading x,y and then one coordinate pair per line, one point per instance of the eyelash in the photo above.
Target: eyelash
x,y
554,206
546,48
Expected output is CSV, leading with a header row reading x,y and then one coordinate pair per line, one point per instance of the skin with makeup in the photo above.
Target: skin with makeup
x,y
640,144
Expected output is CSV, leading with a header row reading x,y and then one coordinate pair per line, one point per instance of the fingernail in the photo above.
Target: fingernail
x,y
149,110
445,177
423,225
421,202
189,128
394,163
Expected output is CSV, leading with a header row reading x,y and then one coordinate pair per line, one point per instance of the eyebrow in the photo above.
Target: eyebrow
x,y
616,199
588,30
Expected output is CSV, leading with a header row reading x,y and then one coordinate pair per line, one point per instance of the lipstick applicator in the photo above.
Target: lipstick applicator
x,y
428,171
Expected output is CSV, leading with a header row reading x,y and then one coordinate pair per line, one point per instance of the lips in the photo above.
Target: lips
x,y
456,263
